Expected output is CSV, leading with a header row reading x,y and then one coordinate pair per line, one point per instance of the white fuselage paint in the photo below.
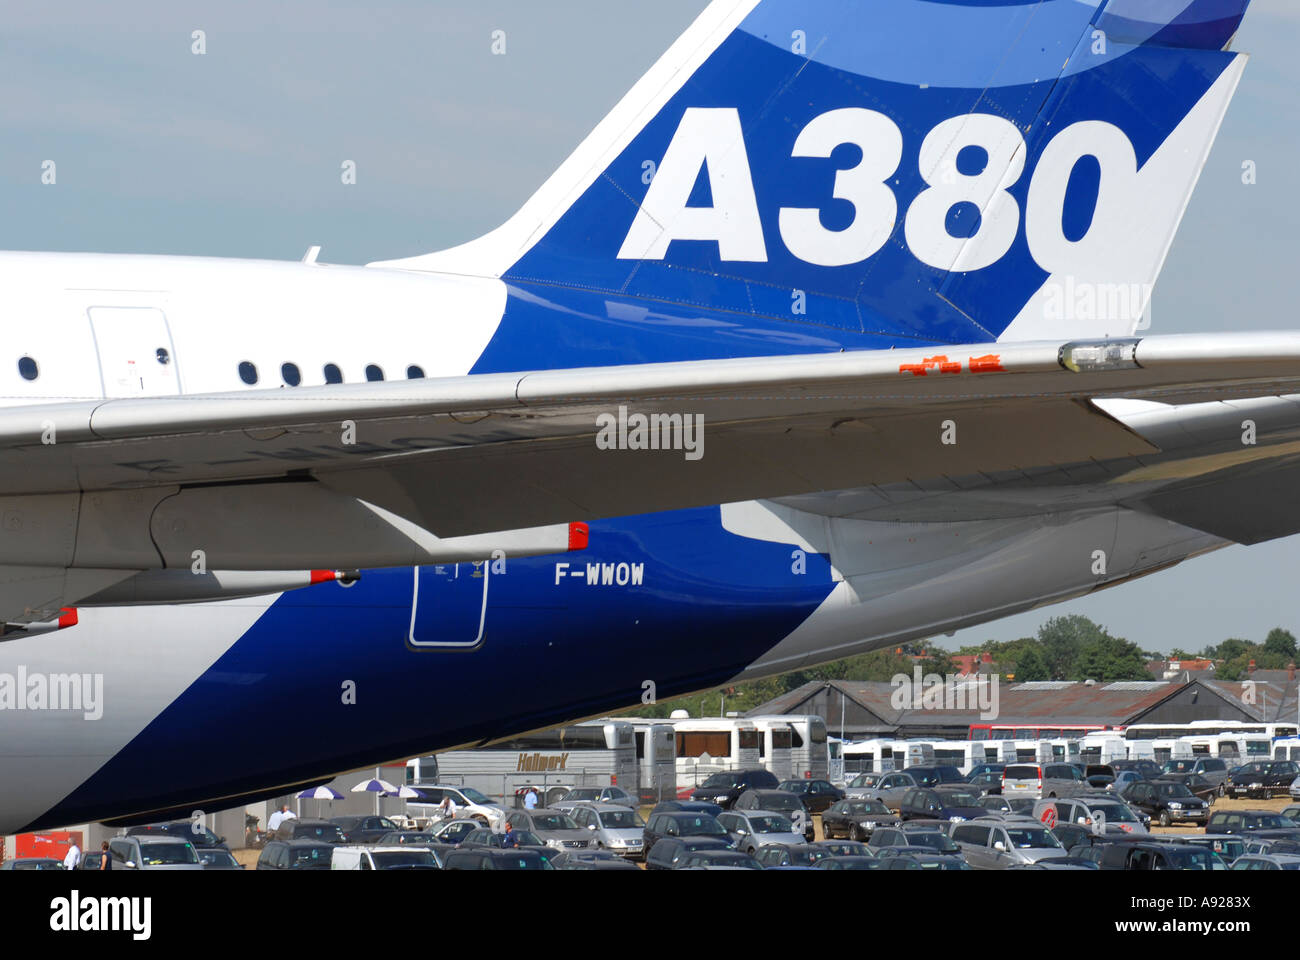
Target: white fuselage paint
x,y
210,316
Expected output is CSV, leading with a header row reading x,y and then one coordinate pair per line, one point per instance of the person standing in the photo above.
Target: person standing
x,y
105,857
530,799
72,859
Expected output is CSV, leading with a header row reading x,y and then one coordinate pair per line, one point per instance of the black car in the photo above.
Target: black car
x,y
217,858
1167,801
719,860
1099,775
489,858
723,788
681,825
790,854
940,803
856,819
1253,822
1261,779
816,795
1146,854
671,851
931,775
324,831
1146,769
367,829
195,833
848,863
295,855
986,782
686,806
1198,783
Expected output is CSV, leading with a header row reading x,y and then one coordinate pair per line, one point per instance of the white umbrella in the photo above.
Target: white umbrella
x,y
376,786
321,793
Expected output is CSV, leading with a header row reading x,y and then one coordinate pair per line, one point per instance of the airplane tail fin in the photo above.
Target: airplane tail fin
x,y
936,170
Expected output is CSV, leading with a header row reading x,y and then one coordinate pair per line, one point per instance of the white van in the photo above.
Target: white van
x,y
383,858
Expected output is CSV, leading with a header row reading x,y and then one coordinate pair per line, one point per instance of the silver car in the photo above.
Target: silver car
x,y
999,844
751,829
1112,815
613,826
555,828
889,786
147,852
577,795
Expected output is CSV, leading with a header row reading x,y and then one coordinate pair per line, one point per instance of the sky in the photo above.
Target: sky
x,y
238,152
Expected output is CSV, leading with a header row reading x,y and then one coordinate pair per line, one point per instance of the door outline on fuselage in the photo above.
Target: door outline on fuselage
x,y
448,644
103,347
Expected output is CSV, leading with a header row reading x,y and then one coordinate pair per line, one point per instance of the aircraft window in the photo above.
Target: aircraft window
x,y
289,372
333,374
414,373
248,373
374,372
163,356
27,367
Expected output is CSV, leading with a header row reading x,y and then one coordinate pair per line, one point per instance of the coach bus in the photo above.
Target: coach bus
x,y
596,753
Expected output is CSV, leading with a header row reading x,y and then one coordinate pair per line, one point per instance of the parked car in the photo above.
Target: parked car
x,y
668,852
997,845
855,819
486,837
1261,779
719,860
1211,768
1144,854
151,852
995,802
454,831
1116,815
931,775
1039,780
396,838
295,855
790,854
888,786
1145,769
725,787
1263,861
913,860
469,803
376,857
1166,801
1228,846
326,831
1251,821
1294,789
816,795
845,848
1257,844
555,827
589,859
32,863
489,858
783,802
362,829
1099,776
989,782
610,794
848,863
1071,834
686,806
91,859
929,837
613,827
1207,790
195,833
751,829
987,766
212,858
682,825
940,803
1123,780
1292,812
